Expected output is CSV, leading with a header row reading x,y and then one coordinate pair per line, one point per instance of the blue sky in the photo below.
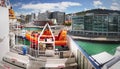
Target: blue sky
x,y
68,6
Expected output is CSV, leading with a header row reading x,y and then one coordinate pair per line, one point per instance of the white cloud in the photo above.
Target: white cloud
x,y
97,3
50,6
115,6
17,4
17,13
102,7
85,9
114,0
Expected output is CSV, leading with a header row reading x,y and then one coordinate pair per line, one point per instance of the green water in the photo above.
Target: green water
x,y
22,41
93,48
32,29
26,42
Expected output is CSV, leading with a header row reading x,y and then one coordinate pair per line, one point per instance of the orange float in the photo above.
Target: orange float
x,y
60,40
12,14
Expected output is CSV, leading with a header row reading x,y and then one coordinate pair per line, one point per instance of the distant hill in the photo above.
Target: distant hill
x,y
98,11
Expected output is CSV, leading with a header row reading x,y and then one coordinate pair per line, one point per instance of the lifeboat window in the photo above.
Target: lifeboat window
x,y
49,46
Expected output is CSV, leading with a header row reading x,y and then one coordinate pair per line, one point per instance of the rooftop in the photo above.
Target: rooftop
x,y
98,11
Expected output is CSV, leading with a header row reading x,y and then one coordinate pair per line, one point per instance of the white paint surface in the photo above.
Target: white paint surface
x,y
4,31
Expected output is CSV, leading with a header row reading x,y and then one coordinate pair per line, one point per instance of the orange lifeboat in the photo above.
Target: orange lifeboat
x,y
60,40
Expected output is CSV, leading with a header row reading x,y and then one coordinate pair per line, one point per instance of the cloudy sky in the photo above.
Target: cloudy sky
x,y
68,6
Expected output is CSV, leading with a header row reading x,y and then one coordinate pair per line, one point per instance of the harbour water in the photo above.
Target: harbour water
x,y
32,29
93,48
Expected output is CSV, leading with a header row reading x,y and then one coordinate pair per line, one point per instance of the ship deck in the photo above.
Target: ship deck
x,y
55,60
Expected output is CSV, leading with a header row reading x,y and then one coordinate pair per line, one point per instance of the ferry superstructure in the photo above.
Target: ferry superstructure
x,y
70,57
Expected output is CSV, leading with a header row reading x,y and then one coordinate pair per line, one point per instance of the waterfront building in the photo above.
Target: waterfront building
x,y
59,16
28,18
42,23
43,16
21,19
68,17
33,16
100,23
78,23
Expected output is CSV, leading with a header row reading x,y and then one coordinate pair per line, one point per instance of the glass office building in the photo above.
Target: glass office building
x,y
78,23
96,25
59,16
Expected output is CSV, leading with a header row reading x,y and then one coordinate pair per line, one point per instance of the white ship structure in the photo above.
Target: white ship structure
x,y
46,51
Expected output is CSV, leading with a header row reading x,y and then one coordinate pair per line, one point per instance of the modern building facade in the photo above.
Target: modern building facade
x,y
33,16
28,18
78,23
68,17
42,23
97,25
59,16
43,16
